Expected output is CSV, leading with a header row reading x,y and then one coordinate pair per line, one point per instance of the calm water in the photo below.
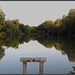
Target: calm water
x,y
57,63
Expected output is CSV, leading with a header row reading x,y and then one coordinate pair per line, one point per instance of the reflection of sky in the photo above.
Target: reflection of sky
x,y
36,12
56,62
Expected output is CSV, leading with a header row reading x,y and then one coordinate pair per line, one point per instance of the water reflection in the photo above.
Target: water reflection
x,y
65,45
72,72
2,52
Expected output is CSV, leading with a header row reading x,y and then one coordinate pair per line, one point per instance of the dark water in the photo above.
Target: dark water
x,y
60,57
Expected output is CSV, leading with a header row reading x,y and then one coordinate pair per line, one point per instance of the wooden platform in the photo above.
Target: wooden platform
x,y
43,59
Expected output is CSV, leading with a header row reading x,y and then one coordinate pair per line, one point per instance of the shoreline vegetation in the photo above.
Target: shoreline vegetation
x,y
59,34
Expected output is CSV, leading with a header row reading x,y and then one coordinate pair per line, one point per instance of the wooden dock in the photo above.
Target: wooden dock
x,y
41,60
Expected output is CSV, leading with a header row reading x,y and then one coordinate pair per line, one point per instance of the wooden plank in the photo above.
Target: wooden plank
x,y
38,59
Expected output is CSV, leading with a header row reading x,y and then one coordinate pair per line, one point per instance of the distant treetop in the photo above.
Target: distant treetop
x,y
72,12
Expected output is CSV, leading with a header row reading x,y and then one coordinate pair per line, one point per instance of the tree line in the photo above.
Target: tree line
x,y
59,34
64,26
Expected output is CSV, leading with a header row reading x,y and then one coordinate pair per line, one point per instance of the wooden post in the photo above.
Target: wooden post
x,y
41,67
24,67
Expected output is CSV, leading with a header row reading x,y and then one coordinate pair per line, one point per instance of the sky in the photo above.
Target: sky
x,y
34,13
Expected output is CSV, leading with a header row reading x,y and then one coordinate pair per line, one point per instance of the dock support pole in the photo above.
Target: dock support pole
x,y
24,67
41,67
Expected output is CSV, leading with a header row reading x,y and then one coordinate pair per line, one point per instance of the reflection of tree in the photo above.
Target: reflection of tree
x,y
65,45
12,41
2,52
69,49
71,72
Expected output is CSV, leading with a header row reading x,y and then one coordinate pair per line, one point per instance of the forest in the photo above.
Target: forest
x,y
64,27
59,34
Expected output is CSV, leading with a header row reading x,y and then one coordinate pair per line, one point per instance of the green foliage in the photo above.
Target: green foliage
x,y
71,12
16,22
68,25
22,28
11,29
2,18
2,52
47,24
58,22
25,29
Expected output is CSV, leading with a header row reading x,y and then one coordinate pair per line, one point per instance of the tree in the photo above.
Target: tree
x,y
2,17
58,22
71,12
11,29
